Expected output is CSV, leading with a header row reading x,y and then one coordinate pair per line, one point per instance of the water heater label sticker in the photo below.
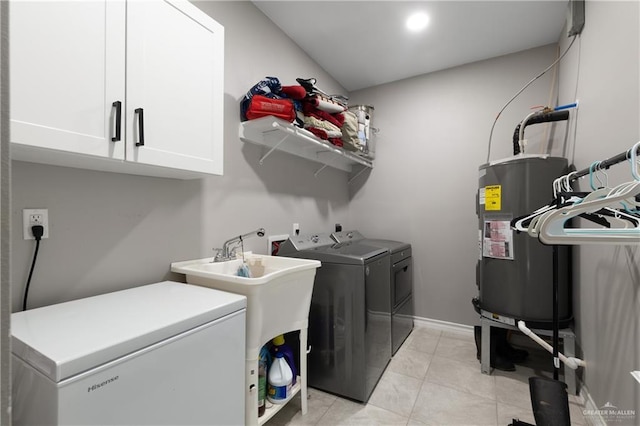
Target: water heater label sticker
x,y
498,239
493,195
481,196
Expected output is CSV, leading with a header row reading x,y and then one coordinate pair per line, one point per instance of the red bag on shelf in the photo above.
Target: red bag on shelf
x,y
261,106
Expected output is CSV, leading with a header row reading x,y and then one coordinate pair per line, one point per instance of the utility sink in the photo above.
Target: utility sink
x,y
278,300
263,268
278,293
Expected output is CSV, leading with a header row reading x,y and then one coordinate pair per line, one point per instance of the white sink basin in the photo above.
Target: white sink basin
x,y
278,294
263,268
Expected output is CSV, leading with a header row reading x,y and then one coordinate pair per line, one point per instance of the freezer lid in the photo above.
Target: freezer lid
x,y
68,338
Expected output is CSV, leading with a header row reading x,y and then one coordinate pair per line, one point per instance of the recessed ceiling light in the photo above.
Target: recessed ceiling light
x,y
417,22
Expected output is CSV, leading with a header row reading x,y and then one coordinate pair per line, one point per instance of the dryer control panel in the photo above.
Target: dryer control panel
x,y
345,236
304,242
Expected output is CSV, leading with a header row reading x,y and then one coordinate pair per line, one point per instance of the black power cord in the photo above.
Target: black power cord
x,y
38,231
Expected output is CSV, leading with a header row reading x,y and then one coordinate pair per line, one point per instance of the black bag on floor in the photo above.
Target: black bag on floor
x,y
550,402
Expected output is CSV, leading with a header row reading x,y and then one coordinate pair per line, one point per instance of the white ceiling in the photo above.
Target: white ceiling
x,y
365,43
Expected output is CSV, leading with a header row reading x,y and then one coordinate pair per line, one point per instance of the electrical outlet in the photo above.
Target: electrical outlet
x,y
32,217
296,229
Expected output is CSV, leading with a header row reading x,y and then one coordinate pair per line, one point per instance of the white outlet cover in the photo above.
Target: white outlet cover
x,y
26,231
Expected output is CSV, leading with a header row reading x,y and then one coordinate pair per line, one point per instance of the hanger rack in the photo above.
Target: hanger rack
x,y
606,164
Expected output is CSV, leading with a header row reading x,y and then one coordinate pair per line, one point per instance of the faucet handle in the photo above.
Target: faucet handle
x,y
218,255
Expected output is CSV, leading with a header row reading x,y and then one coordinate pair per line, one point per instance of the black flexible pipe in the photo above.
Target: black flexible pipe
x,y
548,117
516,140
536,119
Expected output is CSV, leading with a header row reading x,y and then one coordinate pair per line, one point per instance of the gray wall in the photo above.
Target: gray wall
x,y
5,201
602,71
113,231
434,133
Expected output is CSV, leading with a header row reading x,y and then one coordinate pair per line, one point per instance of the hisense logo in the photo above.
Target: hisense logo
x,y
101,384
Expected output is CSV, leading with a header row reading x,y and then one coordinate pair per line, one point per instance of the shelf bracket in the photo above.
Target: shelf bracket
x,y
319,170
272,149
358,174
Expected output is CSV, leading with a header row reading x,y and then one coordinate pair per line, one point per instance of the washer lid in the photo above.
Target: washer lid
x,y
393,246
68,338
352,253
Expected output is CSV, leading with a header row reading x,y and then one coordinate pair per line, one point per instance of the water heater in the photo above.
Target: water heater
x,y
515,270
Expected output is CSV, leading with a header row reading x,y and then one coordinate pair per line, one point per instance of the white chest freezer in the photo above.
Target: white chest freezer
x,y
161,354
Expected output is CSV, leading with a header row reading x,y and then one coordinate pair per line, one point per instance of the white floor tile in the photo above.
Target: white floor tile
x,y
458,349
423,340
344,412
461,376
396,392
410,363
440,405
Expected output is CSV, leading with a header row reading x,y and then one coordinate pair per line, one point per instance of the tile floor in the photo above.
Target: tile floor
x,y
434,379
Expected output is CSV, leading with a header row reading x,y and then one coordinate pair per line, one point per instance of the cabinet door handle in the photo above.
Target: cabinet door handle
x,y
140,113
118,120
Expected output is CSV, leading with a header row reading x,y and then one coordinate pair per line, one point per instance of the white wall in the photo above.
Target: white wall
x,y
113,231
434,132
602,71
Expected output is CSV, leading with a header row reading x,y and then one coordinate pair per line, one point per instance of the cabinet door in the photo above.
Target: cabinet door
x,y
67,70
175,65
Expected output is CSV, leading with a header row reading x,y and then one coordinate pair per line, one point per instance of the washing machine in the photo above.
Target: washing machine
x,y
401,278
350,314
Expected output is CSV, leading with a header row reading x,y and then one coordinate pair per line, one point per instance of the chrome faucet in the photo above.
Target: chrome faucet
x,y
228,252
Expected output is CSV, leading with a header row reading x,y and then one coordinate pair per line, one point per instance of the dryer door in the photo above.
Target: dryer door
x,y
402,281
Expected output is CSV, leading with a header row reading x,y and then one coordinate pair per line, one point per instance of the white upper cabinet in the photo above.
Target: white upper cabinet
x,y
70,63
66,70
175,73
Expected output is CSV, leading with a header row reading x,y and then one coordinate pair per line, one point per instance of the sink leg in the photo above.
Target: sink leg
x,y
303,370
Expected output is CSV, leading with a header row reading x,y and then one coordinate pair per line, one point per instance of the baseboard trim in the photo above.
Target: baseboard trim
x,y
442,325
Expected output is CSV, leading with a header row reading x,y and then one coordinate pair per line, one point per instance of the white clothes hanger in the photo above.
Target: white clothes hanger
x,y
519,224
562,184
547,223
634,161
551,230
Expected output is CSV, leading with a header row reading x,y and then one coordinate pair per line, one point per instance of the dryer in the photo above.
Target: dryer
x,y
350,314
401,277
